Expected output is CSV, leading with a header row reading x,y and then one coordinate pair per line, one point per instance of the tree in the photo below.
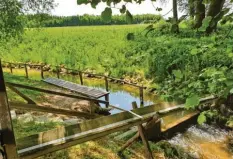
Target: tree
x,y
11,11
199,13
175,26
10,22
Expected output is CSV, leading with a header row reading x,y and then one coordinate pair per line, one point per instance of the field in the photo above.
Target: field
x,y
102,48
168,60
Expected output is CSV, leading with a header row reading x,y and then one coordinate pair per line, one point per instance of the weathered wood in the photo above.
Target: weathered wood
x,y
106,83
81,77
143,137
84,90
63,137
26,70
141,96
107,100
58,71
6,128
56,93
41,71
124,110
29,100
34,107
11,69
149,124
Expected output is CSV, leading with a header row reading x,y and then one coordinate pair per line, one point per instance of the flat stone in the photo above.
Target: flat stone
x,y
25,118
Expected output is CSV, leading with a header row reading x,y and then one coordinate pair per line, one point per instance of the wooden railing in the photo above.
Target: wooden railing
x,y
76,72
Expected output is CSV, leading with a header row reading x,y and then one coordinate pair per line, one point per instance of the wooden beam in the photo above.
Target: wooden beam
x,y
6,128
29,100
56,93
143,137
149,124
107,100
34,107
63,137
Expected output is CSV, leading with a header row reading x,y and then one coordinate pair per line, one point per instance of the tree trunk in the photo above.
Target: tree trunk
x,y
214,8
175,26
191,8
199,14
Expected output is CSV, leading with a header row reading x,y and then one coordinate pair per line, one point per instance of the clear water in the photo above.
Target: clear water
x,y
120,95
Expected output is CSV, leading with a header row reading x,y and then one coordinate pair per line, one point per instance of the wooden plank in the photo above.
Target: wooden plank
x,y
34,107
84,90
56,93
143,137
53,140
29,100
6,128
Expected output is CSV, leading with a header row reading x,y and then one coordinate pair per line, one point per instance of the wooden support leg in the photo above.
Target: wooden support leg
x,y
26,70
58,72
141,97
81,77
107,100
149,124
106,83
6,128
42,72
143,137
11,70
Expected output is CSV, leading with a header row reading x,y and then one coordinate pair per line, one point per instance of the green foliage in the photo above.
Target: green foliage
x,y
192,101
45,20
107,14
201,118
10,19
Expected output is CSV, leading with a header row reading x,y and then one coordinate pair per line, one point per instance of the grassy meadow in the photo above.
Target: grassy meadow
x,y
100,48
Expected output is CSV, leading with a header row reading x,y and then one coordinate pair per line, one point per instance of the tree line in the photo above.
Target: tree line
x,y
46,20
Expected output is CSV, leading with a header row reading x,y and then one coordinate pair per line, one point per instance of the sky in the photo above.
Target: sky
x,y
70,7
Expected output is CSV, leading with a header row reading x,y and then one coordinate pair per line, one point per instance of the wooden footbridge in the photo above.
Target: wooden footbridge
x,y
65,136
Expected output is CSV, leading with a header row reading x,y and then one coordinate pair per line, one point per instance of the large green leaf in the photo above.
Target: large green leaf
x,y
205,23
201,118
178,74
192,101
107,14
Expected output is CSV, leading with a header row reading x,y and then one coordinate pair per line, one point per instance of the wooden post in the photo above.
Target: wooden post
x,y
10,68
26,70
81,77
58,72
42,71
141,97
107,100
6,129
106,83
143,137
